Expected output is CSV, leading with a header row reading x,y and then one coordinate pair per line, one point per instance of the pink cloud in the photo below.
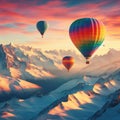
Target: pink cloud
x,y
24,14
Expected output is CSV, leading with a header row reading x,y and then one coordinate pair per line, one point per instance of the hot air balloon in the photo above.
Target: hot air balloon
x,y
87,34
68,62
42,26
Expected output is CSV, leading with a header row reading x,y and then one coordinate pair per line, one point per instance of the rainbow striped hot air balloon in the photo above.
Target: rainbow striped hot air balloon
x,y
41,26
87,34
68,62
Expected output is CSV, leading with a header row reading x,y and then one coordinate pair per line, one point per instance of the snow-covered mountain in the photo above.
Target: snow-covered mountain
x,y
10,88
26,62
103,65
29,63
45,68
36,82
89,103
73,100
42,68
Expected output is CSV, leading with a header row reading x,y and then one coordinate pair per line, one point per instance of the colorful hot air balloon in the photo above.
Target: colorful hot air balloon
x,y
87,34
68,62
42,26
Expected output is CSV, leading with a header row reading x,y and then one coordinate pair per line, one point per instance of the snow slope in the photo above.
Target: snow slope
x,y
73,100
88,104
38,105
18,88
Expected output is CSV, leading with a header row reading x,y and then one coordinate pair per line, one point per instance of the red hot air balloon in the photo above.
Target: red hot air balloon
x,y
68,62
87,34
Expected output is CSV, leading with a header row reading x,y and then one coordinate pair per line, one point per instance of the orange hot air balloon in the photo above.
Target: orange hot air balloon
x,y
68,62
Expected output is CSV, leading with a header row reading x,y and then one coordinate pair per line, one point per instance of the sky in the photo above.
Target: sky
x,y
18,20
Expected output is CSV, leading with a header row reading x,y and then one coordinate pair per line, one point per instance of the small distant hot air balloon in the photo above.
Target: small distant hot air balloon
x,y
68,62
42,27
87,34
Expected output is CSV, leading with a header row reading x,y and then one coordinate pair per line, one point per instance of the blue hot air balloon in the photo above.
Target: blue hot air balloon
x,y
42,27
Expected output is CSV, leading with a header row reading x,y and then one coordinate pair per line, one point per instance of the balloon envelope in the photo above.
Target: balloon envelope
x,y
87,34
68,62
42,26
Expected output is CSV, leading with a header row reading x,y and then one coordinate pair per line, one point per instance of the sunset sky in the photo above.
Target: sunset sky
x,y
18,20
